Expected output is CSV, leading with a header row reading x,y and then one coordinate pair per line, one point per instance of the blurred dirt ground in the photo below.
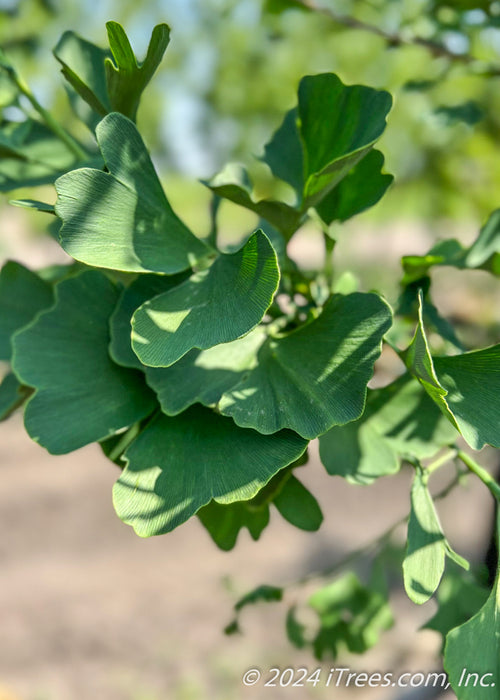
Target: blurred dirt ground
x,y
90,611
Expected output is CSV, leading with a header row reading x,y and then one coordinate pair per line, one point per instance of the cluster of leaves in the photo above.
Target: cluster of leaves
x,y
204,373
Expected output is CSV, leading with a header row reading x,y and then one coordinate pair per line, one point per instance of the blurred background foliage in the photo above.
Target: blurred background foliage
x,y
233,67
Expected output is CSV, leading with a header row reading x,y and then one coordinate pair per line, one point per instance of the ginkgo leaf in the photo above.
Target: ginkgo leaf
x,y
81,396
202,376
333,127
177,465
465,387
472,651
427,546
121,219
126,78
316,376
140,290
399,420
216,305
22,296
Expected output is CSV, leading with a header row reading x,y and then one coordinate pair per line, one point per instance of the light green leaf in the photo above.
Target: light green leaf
x,y
427,547
231,184
214,306
224,522
202,376
465,387
121,219
314,377
459,598
33,204
399,420
297,505
22,296
351,616
472,651
483,253
177,465
359,190
140,290
126,79
31,155
83,67
80,395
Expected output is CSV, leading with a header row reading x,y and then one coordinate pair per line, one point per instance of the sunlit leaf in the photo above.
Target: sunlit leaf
x,y
213,306
465,387
427,547
314,377
472,651
202,376
121,219
177,465
126,78
80,395
140,290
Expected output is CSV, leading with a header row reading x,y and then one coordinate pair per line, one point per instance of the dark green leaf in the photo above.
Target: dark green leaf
x,y
474,648
359,190
297,505
276,7
468,112
80,395
316,376
22,296
214,306
121,219
261,594
295,631
427,547
283,154
321,141
12,395
202,376
399,420
177,465
224,522
126,79
140,290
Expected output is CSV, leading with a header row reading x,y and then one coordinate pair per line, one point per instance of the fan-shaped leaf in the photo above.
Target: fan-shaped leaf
x,y
121,219
80,395
22,296
316,376
214,306
177,465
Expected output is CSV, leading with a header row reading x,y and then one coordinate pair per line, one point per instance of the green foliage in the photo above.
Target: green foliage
x,y
204,372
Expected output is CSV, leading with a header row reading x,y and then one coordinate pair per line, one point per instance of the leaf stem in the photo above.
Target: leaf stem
x,y
439,461
480,472
48,119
